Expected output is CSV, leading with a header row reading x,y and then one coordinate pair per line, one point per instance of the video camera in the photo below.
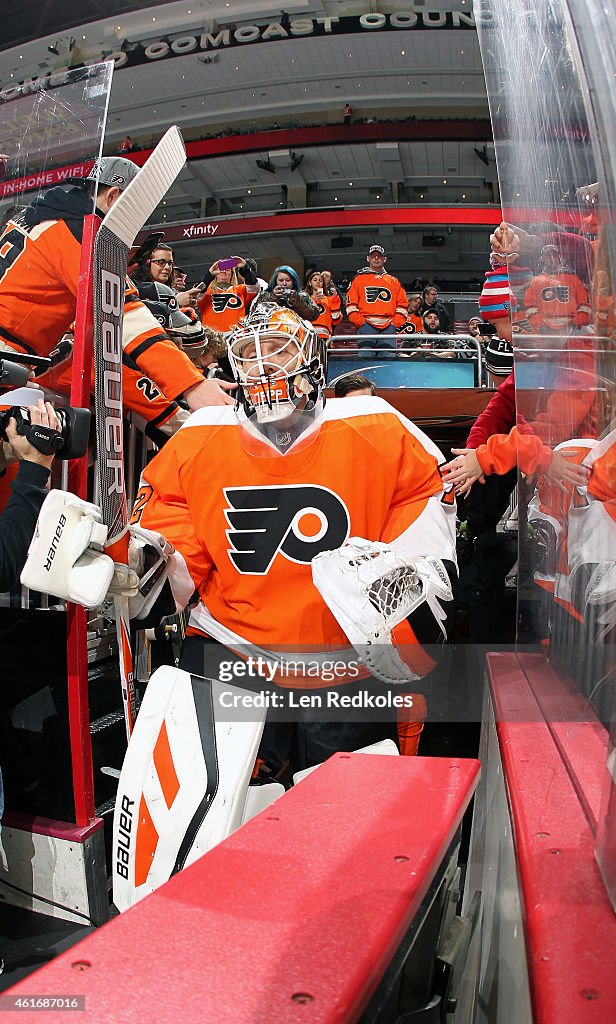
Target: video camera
x,y
69,442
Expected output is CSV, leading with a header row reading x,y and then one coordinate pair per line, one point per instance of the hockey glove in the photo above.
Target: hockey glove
x,y
146,575
387,604
66,555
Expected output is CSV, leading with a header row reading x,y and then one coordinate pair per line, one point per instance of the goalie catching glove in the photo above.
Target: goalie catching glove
x,y
66,557
388,604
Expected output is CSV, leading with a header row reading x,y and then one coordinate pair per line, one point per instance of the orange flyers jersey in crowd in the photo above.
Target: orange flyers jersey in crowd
x,y
376,299
245,528
39,279
414,325
323,324
556,301
221,310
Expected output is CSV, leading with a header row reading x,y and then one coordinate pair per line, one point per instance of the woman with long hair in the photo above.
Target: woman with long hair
x,y
285,290
315,286
225,300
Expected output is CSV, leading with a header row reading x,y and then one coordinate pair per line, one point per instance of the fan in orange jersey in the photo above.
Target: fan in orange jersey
x,y
556,301
40,253
414,321
329,305
271,507
225,300
376,302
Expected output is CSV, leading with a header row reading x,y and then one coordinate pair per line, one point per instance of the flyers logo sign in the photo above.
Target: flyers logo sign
x,y
374,293
299,521
559,293
225,300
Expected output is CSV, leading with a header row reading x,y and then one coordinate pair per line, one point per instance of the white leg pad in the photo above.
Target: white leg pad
x,y
183,784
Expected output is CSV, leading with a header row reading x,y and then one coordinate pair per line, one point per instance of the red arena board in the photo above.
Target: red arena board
x,y
569,925
295,917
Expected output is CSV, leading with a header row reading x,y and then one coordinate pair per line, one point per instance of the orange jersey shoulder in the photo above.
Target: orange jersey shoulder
x,y
39,271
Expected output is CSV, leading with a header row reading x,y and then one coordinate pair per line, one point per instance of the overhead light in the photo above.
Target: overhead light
x,y
249,191
266,165
54,49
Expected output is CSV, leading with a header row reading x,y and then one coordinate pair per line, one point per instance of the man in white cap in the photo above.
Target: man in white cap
x,y
376,303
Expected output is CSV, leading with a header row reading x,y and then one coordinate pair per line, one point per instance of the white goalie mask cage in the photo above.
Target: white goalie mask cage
x,y
279,363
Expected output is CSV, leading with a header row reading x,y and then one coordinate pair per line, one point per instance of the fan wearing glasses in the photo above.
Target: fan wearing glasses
x,y
159,268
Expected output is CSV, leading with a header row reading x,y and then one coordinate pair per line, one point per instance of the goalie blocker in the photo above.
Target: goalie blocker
x,y
393,608
66,559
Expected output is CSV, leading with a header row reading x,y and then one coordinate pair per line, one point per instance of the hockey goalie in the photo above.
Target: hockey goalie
x,y
316,545
313,534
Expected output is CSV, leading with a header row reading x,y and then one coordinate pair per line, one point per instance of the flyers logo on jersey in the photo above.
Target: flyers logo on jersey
x,y
299,521
374,294
225,300
554,293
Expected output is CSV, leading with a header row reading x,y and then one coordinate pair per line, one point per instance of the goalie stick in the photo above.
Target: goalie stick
x,y
114,239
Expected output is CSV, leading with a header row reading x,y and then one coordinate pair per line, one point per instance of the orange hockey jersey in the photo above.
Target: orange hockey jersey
x,y
557,302
39,280
376,299
221,310
245,528
414,325
324,323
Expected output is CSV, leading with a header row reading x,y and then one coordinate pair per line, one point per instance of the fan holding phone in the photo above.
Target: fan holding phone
x,y
224,300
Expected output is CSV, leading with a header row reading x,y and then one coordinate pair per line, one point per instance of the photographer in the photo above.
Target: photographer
x,y
18,520
284,289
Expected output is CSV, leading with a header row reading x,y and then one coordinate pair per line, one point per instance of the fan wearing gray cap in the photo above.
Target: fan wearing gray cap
x,y
38,294
376,303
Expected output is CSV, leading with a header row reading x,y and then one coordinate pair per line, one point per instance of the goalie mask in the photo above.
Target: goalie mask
x,y
279,363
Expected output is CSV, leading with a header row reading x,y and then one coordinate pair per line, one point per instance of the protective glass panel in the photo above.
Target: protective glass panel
x,y
51,131
549,71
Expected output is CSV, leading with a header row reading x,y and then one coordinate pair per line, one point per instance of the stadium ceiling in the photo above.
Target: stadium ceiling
x,y
385,75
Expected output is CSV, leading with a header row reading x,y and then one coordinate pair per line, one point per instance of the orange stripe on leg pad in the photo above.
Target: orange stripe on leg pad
x,y
165,768
145,843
